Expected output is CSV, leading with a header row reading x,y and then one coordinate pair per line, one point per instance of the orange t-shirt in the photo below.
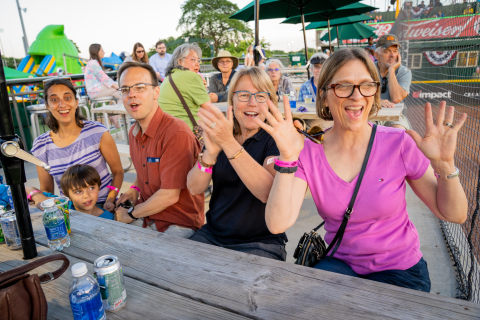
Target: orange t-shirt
x,y
162,157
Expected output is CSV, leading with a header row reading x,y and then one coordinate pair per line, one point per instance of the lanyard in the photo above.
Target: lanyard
x,y
314,87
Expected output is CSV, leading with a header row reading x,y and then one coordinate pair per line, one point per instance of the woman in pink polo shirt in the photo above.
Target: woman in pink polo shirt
x,y
380,242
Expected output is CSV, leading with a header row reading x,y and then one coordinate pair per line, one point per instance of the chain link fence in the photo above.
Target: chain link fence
x,y
441,45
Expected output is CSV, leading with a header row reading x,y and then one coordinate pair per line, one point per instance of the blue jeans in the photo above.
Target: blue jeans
x,y
267,250
415,278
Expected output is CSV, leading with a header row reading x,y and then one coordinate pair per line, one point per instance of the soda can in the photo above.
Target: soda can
x,y
10,230
62,204
2,237
109,274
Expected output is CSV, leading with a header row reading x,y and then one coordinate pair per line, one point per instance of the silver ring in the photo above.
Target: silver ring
x,y
448,124
213,125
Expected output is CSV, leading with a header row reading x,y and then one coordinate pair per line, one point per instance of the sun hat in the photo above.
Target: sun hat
x,y
224,54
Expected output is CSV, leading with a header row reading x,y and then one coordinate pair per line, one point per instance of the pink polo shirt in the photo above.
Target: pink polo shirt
x,y
379,234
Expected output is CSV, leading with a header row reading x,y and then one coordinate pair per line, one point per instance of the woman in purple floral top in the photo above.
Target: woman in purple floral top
x,y
97,82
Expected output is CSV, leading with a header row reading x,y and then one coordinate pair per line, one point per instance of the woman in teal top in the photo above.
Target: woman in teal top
x,y
182,67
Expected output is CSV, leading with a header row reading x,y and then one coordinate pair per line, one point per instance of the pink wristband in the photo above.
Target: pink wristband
x,y
31,194
207,170
286,164
136,188
112,188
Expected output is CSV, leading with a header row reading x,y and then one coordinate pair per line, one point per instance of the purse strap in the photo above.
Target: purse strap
x,y
44,278
184,103
339,236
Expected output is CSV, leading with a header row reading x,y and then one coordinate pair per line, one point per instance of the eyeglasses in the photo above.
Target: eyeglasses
x,y
194,60
142,51
345,90
138,88
225,62
244,96
273,70
384,84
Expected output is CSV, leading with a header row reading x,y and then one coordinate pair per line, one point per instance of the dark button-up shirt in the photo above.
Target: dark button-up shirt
x,y
216,86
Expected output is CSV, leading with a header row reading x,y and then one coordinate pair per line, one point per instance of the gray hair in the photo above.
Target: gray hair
x,y
270,61
320,55
179,53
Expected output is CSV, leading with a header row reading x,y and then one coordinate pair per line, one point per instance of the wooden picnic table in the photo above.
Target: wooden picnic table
x,y
384,114
169,277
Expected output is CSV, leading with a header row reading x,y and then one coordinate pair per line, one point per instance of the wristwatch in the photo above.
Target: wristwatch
x,y
285,169
129,211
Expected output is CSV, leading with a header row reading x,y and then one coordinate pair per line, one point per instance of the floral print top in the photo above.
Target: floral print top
x,y
95,77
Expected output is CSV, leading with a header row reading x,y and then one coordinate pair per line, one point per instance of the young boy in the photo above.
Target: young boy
x,y
81,183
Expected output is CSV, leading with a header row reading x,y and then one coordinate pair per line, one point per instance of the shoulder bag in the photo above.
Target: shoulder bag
x,y
21,294
197,130
311,248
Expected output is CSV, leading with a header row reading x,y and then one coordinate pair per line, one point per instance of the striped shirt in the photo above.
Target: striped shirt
x,y
84,150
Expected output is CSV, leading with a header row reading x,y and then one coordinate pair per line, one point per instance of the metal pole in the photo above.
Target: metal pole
x,y
338,39
305,41
25,40
329,36
65,63
15,172
256,13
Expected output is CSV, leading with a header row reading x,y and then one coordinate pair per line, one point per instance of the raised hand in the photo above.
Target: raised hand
x,y
289,142
440,141
218,130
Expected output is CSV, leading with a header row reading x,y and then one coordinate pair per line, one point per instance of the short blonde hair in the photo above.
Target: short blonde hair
x,y
260,80
331,66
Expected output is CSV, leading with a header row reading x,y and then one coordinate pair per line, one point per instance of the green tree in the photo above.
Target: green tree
x,y
208,19
78,49
239,48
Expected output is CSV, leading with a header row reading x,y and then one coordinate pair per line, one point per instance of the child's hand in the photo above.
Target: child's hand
x,y
109,205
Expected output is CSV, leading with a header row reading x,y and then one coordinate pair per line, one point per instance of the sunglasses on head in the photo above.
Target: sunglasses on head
x,y
142,51
315,134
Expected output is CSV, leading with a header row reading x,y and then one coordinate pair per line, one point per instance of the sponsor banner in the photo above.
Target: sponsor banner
x,y
438,28
439,58
450,92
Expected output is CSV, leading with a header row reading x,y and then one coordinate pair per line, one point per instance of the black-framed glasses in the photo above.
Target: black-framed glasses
x,y
138,88
384,84
244,96
345,90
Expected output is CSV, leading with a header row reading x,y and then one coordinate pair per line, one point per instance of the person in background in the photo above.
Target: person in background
x,y
73,140
163,150
476,74
261,63
226,64
81,184
97,83
371,45
185,60
468,10
380,242
380,19
282,84
422,5
371,53
138,54
238,159
395,78
249,62
327,52
160,60
309,87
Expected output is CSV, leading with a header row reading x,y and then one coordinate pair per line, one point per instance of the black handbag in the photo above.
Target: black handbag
x,y
311,248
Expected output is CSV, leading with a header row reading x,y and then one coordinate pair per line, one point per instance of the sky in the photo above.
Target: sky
x,y
118,25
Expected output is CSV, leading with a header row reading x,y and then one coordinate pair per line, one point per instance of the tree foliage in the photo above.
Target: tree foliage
x,y
208,19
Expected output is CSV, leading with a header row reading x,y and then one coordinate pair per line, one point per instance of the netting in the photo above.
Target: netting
x,y
441,45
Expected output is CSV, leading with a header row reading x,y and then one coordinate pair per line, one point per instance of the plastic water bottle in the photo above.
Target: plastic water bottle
x,y
84,295
293,100
10,198
2,237
54,223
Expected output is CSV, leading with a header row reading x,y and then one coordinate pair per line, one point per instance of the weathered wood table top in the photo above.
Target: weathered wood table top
x,y
168,277
384,114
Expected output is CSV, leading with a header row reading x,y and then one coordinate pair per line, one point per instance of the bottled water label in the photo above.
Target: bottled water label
x,y
293,104
91,309
57,232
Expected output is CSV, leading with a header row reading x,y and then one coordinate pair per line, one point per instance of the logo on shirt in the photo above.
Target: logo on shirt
x,y
380,180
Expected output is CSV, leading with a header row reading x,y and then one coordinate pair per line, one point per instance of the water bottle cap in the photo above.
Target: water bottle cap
x,y
292,92
79,269
48,203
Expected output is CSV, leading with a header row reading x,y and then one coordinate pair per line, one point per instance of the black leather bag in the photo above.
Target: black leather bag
x,y
311,248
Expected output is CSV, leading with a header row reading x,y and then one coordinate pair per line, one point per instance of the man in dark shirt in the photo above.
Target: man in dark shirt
x,y
226,64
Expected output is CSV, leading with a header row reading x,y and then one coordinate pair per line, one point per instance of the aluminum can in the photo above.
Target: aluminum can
x,y
10,230
109,274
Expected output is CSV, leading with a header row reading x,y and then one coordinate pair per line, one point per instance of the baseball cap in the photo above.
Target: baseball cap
x,y
388,40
